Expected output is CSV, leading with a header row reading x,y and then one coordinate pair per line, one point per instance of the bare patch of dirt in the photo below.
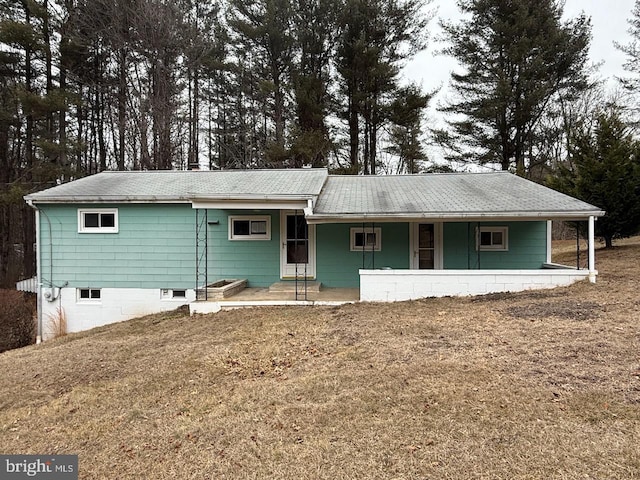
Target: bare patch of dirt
x,y
567,309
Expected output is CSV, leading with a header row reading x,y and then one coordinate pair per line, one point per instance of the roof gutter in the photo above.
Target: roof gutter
x,y
189,198
270,202
448,216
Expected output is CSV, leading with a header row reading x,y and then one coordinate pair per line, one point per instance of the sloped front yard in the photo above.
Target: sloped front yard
x,y
532,385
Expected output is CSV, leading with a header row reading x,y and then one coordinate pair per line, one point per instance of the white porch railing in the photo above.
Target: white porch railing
x,y
398,285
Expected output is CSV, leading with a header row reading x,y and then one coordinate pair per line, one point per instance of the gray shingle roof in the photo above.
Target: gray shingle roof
x,y
498,194
186,185
345,198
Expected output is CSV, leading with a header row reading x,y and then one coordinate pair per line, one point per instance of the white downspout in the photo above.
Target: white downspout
x,y
592,250
38,274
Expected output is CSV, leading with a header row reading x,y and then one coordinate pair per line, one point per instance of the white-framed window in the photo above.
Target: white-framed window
x,y
257,227
367,239
493,239
97,220
171,294
89,295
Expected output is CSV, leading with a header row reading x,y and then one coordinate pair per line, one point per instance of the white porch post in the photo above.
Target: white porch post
x,y
549,245
592,250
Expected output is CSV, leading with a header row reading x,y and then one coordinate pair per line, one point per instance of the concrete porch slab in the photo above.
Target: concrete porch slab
x,y
256,297
290,286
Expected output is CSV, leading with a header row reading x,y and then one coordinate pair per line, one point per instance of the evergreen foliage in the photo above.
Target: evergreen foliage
x,y
518,56
604,170
91,85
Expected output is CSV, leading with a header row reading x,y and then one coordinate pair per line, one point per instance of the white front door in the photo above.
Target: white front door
x,y
298,246
426,246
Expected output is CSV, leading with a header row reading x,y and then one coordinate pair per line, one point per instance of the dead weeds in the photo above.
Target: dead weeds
x,y
533,385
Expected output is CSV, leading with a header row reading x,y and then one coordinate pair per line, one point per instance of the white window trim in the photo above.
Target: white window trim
x,y
169,294
250,218
92,300
377,231
493,248
83,229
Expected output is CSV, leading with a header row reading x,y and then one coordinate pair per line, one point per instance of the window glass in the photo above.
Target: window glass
x,y
91,220
259,227
241,227
107,220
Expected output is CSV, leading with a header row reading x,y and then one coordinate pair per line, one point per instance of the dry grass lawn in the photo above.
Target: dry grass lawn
x,y
535,385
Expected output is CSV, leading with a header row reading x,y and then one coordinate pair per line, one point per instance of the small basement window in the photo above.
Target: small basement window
x,y
93,220
89,294
250,228
493,239
168,294
367,239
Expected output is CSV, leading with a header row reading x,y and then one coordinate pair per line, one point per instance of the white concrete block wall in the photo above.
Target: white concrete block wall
x,y
398,285
115,305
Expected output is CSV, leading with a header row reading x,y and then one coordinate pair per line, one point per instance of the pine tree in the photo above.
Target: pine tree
x,y
375,37
406,129
518,56
604,170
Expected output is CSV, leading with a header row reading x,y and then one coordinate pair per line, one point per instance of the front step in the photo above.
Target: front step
x,y
290,287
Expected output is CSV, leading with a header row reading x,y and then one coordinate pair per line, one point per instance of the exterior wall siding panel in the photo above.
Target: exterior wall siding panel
x,y
154,248
338,266
527,247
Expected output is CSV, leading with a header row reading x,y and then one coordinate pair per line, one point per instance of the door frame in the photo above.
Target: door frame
x,y
438,255
287,271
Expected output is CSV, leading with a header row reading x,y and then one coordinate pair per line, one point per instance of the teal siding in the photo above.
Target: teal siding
x,y
337,265
527,246
154,248
256,260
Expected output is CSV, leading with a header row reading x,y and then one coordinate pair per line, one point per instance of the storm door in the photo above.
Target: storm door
x,y
298,249
426,249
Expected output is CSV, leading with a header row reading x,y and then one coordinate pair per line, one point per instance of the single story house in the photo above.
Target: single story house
x,y
117,245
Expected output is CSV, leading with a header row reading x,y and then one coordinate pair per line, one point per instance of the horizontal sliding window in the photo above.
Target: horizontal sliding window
x,y
169,294
250,228
368,239
493,239
89,295
93,220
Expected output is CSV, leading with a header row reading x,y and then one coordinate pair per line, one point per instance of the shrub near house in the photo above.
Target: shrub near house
x,y
17,319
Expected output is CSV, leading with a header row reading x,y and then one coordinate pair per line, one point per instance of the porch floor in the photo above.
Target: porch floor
x,y
264,295
255,297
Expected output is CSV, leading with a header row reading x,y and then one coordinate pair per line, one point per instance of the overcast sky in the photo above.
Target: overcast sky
x,y
609,22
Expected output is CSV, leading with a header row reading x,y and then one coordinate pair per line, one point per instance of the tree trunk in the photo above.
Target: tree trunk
x,y
28,224
354,132
608,241
49,135
122,100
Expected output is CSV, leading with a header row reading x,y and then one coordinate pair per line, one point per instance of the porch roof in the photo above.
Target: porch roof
x,y
456,196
